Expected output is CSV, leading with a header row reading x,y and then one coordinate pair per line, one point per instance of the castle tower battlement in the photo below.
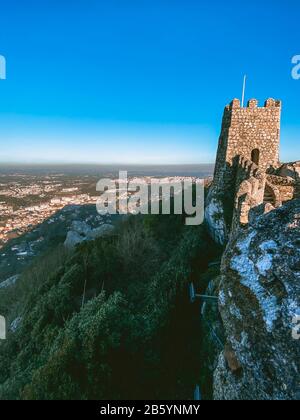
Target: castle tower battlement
x,y
252,132
248,134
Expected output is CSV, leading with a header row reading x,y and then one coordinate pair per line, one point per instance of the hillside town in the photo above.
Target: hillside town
x,y
23,219
25,205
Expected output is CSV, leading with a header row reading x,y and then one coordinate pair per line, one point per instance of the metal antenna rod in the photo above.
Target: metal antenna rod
x,y
244,89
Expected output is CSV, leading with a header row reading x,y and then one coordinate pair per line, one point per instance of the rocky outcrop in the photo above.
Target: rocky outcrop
x,y
81,227
15,324
258,298
73,238
101,231
9,282
215,218
81,232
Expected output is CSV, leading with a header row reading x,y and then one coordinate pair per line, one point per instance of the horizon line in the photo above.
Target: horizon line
x,y
101,164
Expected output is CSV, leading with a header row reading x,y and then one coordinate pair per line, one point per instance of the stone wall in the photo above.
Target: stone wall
x,y
254,128
248,148
258,293
286,186
251,132
250,189
287,179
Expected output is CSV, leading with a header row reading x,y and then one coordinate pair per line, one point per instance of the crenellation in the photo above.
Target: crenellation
x,y
248,173
272,103
253,103
236,103
245,130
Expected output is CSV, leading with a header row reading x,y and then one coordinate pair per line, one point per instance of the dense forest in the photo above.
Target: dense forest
x,y
112,319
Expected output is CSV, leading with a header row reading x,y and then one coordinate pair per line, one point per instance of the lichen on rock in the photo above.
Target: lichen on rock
x,y
259,296
215,219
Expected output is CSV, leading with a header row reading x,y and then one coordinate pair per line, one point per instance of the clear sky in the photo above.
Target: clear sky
x,y
140,81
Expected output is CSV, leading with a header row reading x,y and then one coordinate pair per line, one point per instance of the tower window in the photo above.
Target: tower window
x,y
255,156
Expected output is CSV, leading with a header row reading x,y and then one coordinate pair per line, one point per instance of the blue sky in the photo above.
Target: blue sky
x,y
140,81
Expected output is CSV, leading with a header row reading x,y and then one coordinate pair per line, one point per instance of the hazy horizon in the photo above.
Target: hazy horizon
x,y
197,170
140,82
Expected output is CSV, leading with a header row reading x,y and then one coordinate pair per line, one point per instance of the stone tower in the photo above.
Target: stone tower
x,y
251,132
249,142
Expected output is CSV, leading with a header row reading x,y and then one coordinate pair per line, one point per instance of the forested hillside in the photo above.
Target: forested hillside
x,y
112,320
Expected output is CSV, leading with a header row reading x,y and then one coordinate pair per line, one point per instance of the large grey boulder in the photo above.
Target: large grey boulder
x,y
73,239
215,218
80,227
101,231
259,299
11,281
15,324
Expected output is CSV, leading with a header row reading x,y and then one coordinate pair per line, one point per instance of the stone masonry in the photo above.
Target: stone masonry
x,y
259,277
248,173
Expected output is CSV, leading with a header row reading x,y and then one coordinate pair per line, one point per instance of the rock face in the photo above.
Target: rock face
x,y
259,298
15,324
9,282
73,238
101,231
214,217
80,227
81,232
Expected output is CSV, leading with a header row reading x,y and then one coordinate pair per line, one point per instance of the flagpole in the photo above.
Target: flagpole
x,y
244,89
